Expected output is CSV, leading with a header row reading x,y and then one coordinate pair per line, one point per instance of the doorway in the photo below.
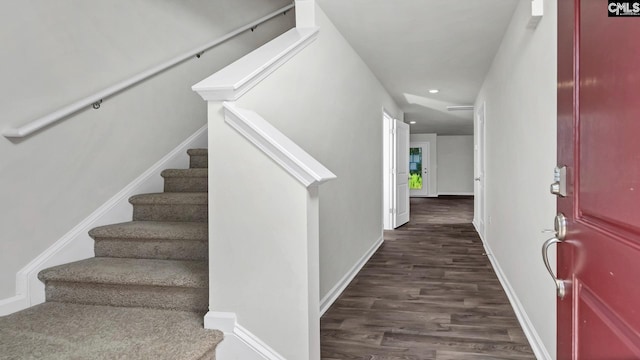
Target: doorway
x,y
419,167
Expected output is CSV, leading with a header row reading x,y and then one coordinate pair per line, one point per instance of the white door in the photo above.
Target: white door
x,y
401,166
480,178
419,169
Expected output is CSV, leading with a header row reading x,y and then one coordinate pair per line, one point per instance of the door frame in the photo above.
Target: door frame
x,y
426,159
479,186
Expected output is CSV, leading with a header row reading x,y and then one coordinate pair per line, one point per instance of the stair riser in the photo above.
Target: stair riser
x,y
198,161
152,249
186,184
174,298
157,212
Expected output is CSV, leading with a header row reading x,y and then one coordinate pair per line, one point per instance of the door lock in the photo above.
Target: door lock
x,y
559,186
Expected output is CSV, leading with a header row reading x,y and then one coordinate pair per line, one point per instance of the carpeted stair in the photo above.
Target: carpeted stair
x,y
144,294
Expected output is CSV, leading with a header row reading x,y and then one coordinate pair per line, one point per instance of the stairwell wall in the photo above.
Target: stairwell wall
x,y
54,53
520,96
329,102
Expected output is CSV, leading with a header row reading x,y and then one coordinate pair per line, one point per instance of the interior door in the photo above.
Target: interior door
x,y
598,141
388,175
401,213
419,169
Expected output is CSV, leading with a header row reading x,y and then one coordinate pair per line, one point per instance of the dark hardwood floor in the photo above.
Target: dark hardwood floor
x,y
428,293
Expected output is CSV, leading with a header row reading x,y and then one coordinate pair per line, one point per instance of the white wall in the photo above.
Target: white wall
x,y
455,165
328,101
520,95
260,255
54,53
432,139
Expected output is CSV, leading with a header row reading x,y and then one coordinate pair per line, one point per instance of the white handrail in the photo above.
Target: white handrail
x,y
96,98
300,164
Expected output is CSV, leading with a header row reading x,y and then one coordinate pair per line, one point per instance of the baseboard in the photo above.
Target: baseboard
x,y
13,304
530,332
335,292
77,245
458,193
239,343
218,320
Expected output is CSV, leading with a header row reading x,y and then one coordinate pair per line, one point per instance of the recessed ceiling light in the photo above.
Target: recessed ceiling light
x,y
434,91
412,122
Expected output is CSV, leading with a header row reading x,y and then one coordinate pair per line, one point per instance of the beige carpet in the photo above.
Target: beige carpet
x,y
71,331
143,296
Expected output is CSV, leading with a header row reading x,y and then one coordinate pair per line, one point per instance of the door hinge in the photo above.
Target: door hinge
x,y
392,211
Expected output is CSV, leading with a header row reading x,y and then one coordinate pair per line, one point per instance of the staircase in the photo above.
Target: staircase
x,y
142,296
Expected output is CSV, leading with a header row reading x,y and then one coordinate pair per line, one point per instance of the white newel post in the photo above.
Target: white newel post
x,y
263,215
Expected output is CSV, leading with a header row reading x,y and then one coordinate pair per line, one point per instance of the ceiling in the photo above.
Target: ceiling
x,y
413,46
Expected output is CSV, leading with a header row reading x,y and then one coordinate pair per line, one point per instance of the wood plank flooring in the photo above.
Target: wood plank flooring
x,y
428,293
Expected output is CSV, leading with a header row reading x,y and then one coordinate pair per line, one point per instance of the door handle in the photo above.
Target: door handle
x,y
477,179
560,287
561,232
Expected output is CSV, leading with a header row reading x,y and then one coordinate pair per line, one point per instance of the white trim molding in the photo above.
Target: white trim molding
x,y
341,285
233,81
286,153
219,320
77,244
530,332
239,343
13,304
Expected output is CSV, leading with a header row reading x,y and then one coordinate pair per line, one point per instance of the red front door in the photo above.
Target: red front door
x,y
599,142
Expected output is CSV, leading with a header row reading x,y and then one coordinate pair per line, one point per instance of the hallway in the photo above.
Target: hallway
x,y
428,293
